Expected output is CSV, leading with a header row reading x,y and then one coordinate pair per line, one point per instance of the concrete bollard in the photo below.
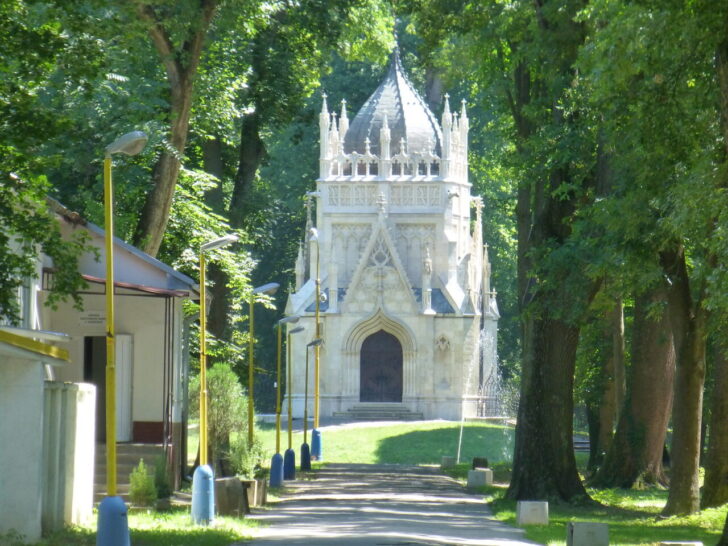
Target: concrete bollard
x,y
447,461
480,477
532,513
583,533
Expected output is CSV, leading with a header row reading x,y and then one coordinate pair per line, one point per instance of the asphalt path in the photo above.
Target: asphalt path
x,y
379,505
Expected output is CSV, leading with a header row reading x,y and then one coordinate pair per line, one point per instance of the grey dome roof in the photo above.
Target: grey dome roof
x,y
407,115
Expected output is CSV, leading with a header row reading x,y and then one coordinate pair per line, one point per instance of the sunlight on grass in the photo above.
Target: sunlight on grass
x,y
632,517
149,528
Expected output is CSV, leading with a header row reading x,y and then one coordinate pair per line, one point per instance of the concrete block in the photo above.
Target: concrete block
x,y
584,533
229,497
532,513
447,461
480,477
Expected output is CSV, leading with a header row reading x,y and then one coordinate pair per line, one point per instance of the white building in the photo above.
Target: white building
x,y
404,275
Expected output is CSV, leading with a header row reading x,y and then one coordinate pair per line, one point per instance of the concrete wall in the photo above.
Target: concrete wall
x,y
21,437
68,454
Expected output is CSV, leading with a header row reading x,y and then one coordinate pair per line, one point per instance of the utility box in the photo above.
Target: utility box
x,y
583,533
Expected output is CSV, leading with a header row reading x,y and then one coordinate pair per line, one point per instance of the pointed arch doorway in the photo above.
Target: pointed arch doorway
x,y
380,368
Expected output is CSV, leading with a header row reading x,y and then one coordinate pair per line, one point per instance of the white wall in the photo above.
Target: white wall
x,y
21,448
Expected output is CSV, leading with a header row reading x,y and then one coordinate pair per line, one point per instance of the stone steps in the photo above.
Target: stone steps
x,y
127,459
379,412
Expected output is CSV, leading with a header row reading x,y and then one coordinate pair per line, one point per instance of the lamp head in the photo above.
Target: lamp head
x,y
314,234
217,243
269,288
289,320
129,144
316,342
296,330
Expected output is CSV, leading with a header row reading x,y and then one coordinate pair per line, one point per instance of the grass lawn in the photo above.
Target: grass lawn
x,y
633,516
405,443
157,529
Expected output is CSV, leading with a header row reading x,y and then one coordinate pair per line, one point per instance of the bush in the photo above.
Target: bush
x,y
227,410
161,478
142,491
244,460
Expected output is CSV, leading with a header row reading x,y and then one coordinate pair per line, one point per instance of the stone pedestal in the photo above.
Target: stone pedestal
x,y
447,461
582,533
230,497
480,477
532,513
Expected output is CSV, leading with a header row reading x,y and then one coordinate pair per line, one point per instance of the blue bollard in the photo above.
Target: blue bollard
x,y
305,457
316,447
289,465
113,523
276,470
203,495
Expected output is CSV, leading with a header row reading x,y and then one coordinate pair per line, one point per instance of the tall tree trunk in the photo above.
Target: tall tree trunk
x,y
715,490
181,67
636,451
618,345
688,321
544,466
252,152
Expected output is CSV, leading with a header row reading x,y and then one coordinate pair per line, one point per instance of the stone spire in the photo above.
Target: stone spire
x,y
343,121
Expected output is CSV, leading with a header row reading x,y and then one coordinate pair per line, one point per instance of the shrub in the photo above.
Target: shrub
x,y
245,460
227,410
161,478
142,491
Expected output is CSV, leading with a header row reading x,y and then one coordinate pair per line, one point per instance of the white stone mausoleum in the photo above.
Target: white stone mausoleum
x,y
404,275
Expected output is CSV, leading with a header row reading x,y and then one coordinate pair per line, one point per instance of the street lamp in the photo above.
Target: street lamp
x,y
276,464
289,458
316,440
305,450
112,527
269,288
203,483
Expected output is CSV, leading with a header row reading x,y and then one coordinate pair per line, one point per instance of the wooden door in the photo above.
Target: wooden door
x,y
381,368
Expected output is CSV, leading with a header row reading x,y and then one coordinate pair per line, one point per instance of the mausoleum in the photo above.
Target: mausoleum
x,y
404,278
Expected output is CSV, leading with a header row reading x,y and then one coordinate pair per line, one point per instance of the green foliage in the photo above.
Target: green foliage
x,y
161,477
227,410
142,490
246,459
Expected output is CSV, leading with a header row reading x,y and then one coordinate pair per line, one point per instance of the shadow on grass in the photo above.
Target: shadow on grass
x,y
159,529
429,446
628,525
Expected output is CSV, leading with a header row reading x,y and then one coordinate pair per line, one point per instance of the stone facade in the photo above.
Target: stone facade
x,y
404,277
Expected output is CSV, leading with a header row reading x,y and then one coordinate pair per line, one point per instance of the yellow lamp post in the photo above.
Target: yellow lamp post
x,y
112,510
289,459
269,289
316,440
276,464
203,489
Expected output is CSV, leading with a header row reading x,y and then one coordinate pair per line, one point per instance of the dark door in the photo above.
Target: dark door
x,y
381,368
94,371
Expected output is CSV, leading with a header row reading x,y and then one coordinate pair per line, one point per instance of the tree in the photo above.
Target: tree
x,y
635,455
180,61
715,489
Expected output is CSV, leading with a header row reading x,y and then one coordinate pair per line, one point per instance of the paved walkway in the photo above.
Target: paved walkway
x,y
380,505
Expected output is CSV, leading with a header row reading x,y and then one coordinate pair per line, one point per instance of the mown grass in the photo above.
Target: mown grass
x,y
633,516
405,443
149,528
